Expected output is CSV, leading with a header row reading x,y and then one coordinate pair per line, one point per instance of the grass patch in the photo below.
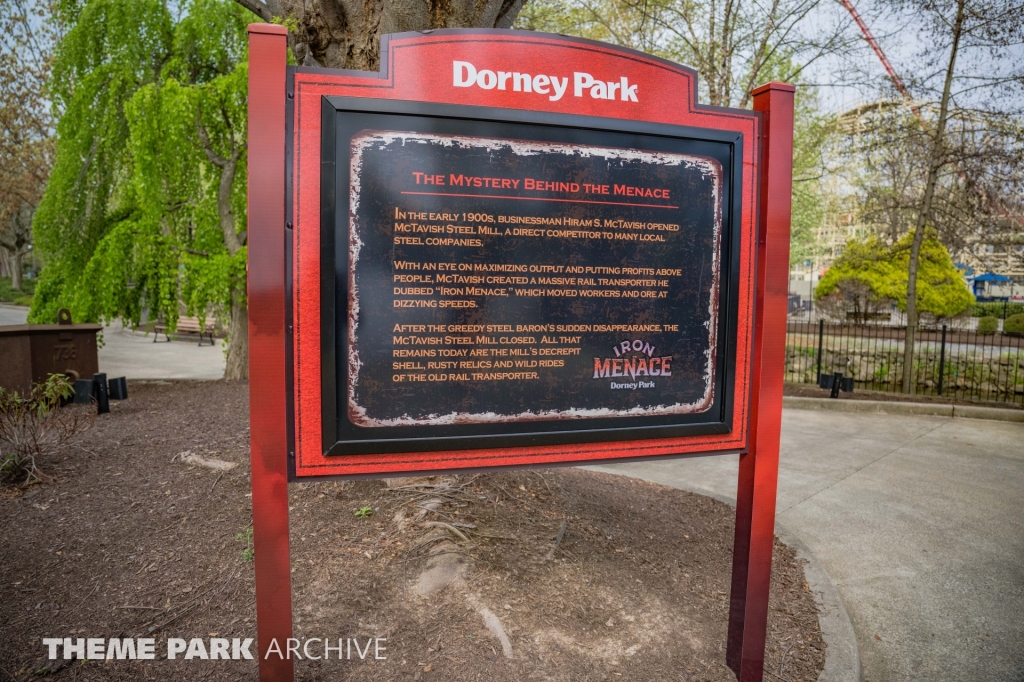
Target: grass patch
x,y
11,295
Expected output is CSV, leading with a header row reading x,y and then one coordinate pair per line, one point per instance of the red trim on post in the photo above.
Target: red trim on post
x,y
267,385
759,467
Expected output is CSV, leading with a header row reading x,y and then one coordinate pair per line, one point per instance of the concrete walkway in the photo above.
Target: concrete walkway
x,y
125,353
919,522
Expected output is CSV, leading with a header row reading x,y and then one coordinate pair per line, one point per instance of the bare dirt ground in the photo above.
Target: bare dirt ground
x,y
464,576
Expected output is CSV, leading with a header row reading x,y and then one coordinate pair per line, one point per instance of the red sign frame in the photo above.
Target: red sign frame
x,y
284,288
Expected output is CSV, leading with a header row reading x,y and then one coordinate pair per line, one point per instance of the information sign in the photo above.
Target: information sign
x,y
515,283
508,248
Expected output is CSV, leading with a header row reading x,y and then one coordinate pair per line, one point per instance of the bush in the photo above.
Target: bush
x,y
1014,325
23,297
32,427
997,308
988,325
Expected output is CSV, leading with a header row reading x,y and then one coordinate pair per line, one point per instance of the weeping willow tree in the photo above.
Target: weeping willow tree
x,y
144,213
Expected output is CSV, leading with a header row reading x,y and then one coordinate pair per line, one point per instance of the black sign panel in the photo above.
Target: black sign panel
x,y
523,282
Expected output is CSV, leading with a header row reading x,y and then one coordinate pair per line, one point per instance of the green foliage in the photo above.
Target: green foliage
x,y
130,222
364,512
1014,325
32,426
997,309
861,282
878,274
941,289
112,47
249,552
8,294
45,396
988,325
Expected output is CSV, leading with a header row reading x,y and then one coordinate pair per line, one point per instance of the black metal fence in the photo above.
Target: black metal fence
x,y
953,363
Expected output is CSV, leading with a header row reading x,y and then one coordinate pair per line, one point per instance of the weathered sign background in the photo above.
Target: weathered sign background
x,y
498,280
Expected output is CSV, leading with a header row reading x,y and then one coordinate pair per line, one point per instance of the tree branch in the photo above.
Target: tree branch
x,y
258,8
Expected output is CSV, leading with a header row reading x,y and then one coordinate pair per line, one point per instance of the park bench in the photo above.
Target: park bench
x,y
186,325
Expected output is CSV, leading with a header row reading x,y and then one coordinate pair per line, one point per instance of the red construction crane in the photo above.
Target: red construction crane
x,y
885,60
910,100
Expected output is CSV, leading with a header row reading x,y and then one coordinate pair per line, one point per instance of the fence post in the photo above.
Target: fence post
x,y
942,358
821,336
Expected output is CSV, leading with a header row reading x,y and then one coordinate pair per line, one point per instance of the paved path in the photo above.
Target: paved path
x,y
919,522
133,355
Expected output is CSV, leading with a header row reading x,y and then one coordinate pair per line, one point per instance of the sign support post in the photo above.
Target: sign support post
x,y
759,466
268,433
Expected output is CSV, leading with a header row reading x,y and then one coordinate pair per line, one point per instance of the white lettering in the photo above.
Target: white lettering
x,y
487,79
466,74
146,649
305,649
362,654
196,649
219,649
580,81
121,649
628,91
328,648
52,643
560,85
460,81
240,650
274,648
78,648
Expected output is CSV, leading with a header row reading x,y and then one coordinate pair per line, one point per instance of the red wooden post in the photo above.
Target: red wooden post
x,y
759,466
268,441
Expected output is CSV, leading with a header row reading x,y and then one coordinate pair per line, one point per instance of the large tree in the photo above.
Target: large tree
x,y
948,159
145,209
345,34
734,45
28,35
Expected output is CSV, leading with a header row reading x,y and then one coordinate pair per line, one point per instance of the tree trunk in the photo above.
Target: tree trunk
x,y
936,162
345,34
237,366
15,262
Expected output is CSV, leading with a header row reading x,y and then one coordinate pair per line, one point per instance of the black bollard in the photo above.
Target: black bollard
x,y
83,391
99,387
117,389
837,383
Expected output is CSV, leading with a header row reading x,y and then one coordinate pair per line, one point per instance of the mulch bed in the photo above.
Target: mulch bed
x,y
812,391
126,540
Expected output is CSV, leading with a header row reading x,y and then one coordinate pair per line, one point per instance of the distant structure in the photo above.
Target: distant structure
x,y
859,134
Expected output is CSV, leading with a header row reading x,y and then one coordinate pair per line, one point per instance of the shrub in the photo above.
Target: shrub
x,y
32,427
1014,325
997,308
988,325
